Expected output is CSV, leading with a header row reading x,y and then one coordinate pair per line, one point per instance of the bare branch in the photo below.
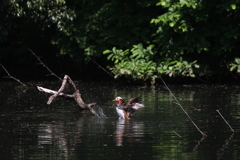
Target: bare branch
x,y
76,95
9,76
51,98
225,120
71,82
44,65
176,102
53,92
177,134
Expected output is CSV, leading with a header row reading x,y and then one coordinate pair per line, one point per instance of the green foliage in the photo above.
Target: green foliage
x,y
45,13
100,25
139,63
197,27
77,28
190,37
195,38
136,63
178,68
235,66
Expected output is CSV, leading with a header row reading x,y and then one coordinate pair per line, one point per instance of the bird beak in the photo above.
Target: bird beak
x,y
114,100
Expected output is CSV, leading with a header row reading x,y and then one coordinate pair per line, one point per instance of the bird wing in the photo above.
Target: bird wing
x,y
133,104
132,101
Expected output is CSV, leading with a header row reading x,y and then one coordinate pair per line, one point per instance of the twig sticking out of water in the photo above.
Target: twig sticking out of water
x,y
9,76
225,120
45,66
177,134
176,102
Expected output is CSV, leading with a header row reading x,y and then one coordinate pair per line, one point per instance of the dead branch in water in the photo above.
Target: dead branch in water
x,y
177,134
76,95
225,120
42,89
9,76
176,102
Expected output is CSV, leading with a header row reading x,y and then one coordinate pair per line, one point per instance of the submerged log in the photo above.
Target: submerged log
x,y
76,95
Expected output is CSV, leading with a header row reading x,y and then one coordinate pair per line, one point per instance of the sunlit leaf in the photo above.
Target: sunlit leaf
x,y
237,60
106,51
233,6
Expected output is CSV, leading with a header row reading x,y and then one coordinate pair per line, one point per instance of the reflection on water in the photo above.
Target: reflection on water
x,y
131,131
52,134
30,129
66,136
224,147
45,134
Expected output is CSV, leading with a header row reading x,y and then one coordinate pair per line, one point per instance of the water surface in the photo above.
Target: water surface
x,y
31,129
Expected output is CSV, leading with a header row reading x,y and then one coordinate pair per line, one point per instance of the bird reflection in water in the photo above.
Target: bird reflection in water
x,y
128,131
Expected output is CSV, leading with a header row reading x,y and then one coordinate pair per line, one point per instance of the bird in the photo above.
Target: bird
x,y
125,110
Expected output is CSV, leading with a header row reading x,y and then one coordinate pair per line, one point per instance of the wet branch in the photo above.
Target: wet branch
x,y
177,134
9,76
176,102
225,120
76,95
51,98
41,89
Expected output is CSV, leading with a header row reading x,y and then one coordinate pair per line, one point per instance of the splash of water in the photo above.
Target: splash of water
x,y
99,112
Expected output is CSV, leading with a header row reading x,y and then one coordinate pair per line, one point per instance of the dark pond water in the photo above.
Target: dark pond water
x,y
31,129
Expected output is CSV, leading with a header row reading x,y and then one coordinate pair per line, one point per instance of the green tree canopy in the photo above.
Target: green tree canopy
x,y
194,38
77,28
149,38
